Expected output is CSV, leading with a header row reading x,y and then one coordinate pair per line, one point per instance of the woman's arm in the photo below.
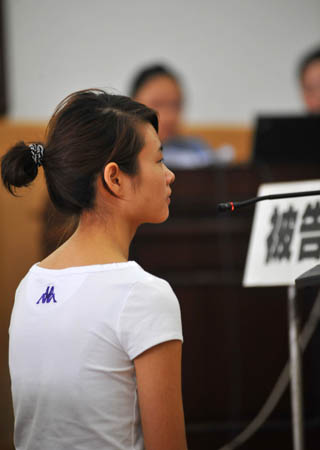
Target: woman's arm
x,y
158,372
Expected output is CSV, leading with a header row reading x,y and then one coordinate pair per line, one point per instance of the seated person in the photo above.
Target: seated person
x,y
158,87
309,76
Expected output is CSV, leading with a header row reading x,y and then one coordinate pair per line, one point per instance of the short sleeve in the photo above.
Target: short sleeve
x,y
151,315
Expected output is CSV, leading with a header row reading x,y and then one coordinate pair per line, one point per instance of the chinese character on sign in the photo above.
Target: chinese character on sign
x,y
282,230
279,240
310,244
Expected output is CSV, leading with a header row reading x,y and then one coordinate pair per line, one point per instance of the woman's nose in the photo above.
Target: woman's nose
x,y
171,176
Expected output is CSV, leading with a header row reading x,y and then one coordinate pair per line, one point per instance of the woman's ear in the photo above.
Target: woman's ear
x,y
113,177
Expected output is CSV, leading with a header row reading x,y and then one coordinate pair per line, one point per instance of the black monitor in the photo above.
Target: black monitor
x,y
287,139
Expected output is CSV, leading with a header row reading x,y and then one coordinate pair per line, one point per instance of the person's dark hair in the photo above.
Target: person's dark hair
x,y
88,130
307,59
149,72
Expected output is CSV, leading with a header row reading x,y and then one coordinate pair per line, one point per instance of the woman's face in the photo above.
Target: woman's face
x,y
164,95
150,189
311,87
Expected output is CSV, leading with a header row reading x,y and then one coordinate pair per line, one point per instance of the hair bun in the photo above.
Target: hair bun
x,y
19,166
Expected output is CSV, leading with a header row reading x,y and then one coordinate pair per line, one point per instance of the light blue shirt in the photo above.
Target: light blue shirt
x,y
183,152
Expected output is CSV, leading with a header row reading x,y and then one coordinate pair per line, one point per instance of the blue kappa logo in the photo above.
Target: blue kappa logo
x,y
48,296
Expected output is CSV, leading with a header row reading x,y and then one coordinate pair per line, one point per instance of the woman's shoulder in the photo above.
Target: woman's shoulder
x,y
148,281
151,292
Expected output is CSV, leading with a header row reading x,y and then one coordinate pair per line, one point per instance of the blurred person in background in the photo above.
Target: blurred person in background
x,y
158,87
309,76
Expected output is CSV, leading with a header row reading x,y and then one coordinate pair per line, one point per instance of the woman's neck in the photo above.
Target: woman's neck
x,y
95,241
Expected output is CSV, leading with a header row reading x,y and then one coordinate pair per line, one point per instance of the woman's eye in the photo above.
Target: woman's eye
x,y
161,160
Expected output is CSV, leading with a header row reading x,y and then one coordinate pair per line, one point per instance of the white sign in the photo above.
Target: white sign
x,y
285,236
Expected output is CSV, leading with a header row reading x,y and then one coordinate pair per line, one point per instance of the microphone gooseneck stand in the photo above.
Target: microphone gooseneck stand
x,y
231,206
309,278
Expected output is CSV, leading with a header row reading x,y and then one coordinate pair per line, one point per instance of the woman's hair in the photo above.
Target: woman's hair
x,y
149,72
307,59
89,129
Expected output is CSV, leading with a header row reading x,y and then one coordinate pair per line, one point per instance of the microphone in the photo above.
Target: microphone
x,y
232,206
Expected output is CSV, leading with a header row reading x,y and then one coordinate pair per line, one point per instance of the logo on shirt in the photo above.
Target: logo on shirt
x,y
48,296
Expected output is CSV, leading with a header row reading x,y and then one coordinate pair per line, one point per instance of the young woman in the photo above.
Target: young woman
x,y
95,341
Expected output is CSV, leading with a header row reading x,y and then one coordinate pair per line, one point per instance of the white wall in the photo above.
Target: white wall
x,y
238,56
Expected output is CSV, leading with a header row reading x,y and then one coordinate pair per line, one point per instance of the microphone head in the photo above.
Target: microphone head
x,y
224,207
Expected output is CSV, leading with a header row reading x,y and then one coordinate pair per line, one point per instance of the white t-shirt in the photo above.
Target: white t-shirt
x,y
73,336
